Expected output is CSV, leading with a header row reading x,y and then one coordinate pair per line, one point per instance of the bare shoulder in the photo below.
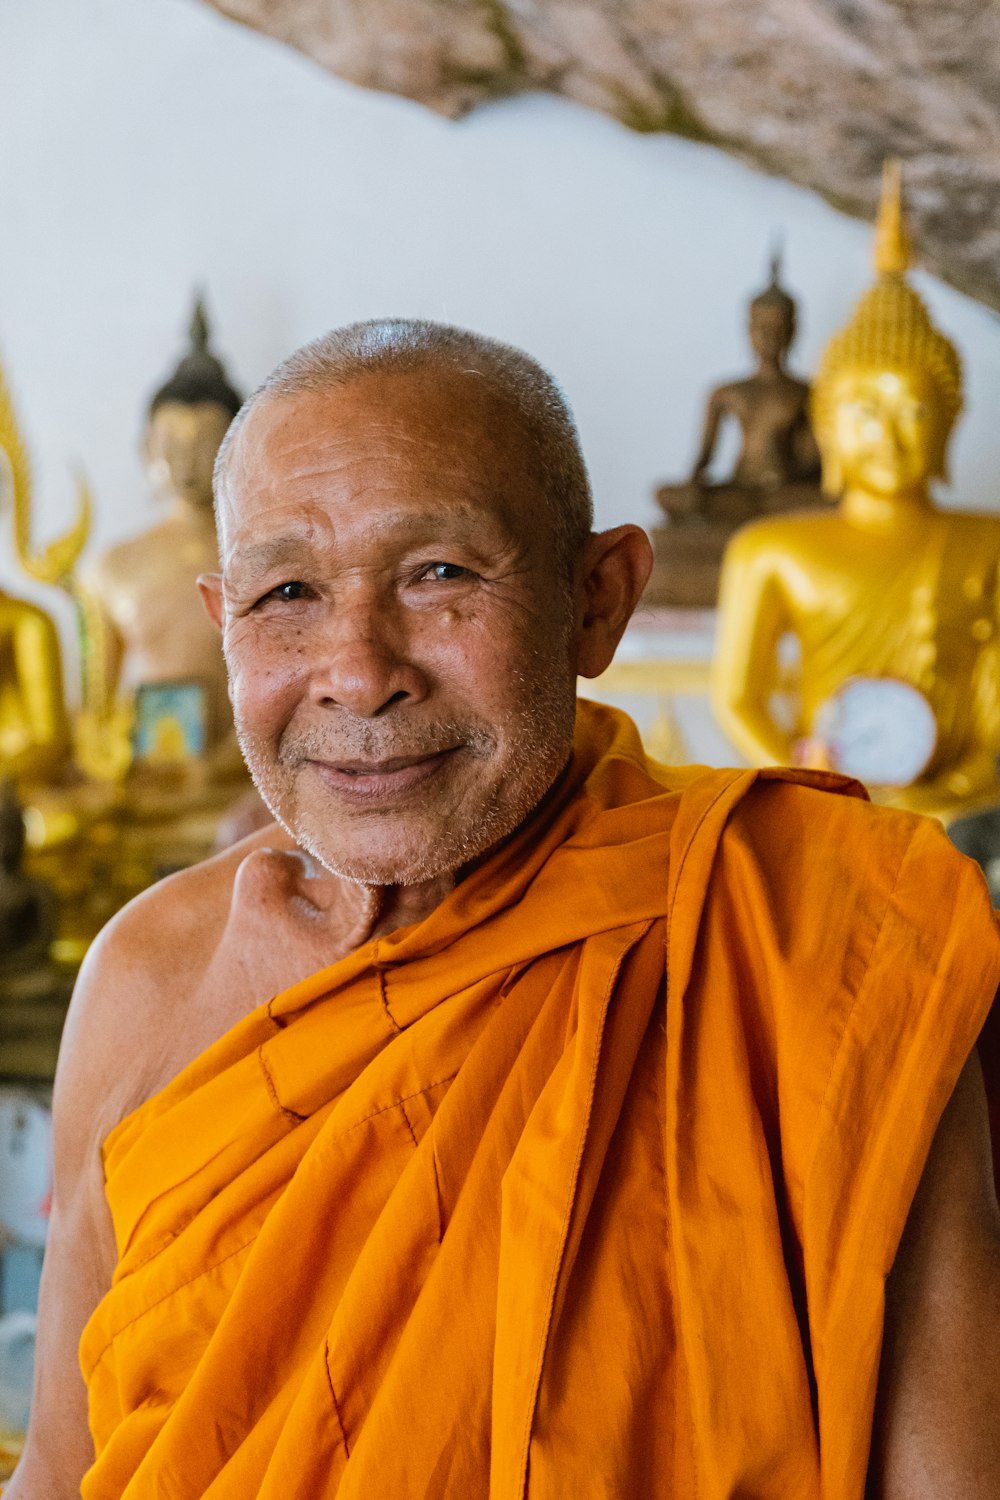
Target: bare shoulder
x,y
139,1007
193,956
191,905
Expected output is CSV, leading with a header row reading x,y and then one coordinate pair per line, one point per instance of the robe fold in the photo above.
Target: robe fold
x,y
587,1185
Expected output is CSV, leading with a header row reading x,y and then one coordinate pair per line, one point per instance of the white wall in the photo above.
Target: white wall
x,y
145,147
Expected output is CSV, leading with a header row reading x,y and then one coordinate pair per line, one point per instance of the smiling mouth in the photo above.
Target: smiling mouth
x,y
379,780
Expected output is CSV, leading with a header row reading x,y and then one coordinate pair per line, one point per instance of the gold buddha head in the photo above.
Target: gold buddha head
x,y
772,318
188,418
889,386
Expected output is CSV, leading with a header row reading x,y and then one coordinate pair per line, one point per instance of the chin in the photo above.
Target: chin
x,y
409,863
410,851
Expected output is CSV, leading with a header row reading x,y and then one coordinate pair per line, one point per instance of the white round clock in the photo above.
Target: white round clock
x,y
879,730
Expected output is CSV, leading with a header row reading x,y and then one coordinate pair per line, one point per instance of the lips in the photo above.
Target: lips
x,y
373,781
384,767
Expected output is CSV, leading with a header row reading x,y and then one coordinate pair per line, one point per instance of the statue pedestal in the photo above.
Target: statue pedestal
x,y
687,551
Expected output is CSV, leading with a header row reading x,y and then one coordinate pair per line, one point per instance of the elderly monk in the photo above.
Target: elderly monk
x,y
517,1117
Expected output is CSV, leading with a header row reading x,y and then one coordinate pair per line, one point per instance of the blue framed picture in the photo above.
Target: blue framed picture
x,y
170,721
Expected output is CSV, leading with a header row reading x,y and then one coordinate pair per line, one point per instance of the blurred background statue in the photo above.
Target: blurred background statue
x,y
892,602
34,727
777,468
148,624
27,905
770,406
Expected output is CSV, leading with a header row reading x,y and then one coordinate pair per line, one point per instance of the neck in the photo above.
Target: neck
x,y
877,512
404,905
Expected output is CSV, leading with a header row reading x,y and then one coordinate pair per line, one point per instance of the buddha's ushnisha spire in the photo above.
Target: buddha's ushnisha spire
x,y
200,375
890,329
893,250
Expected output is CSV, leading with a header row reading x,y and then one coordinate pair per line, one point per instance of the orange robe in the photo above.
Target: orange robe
x,y
585,1186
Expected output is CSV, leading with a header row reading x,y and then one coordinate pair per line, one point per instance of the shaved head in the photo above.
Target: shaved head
x,y
409,589
520,387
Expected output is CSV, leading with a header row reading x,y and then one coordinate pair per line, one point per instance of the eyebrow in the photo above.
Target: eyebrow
x,y
290,548
254,558
258,556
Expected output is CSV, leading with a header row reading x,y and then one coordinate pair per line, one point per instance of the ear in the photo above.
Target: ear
x,y
613,572
210,589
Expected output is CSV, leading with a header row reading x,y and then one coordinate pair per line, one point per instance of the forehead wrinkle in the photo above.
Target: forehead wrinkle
x,y
260,456
381,421
451,521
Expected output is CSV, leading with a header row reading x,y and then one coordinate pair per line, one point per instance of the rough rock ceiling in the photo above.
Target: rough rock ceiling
x,y
818,91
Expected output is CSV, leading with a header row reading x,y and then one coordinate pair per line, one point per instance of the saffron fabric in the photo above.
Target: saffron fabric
x,y
586,1185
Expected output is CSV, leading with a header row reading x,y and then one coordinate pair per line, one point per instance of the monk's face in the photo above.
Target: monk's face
x,y
397,631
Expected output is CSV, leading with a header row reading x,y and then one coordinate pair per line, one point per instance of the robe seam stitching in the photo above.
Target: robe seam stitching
x,y
272,1091
333,1396
393,1104
384,998
438,1202
564,1229
156,1249
409,1123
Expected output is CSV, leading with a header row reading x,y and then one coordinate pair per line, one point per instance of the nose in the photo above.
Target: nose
x,y
364,661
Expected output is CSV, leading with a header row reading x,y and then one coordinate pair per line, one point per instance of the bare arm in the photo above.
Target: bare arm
x,y
937,1431
79,1258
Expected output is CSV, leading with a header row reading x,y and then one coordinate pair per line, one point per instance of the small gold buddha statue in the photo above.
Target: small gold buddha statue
x,y
889,600
777,468
153,625
34,729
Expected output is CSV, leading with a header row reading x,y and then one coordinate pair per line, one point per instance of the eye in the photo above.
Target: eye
x,y
444,572
286,593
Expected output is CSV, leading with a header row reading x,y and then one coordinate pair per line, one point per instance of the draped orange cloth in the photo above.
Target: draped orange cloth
x,y
587,1185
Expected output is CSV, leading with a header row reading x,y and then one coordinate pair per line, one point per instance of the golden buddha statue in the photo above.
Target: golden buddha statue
x,y
891,601
152,626
777,467
34,728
